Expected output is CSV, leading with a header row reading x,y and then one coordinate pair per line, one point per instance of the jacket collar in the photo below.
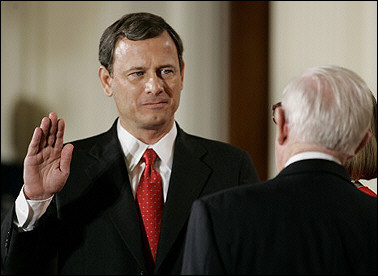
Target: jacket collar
x,y
316,165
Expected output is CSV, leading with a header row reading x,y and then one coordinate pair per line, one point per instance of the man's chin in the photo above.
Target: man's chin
x,y
157,122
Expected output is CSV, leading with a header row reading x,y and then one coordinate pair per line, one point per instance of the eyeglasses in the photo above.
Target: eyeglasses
x,y
279,104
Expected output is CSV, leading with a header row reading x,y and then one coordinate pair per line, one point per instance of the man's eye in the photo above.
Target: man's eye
x,y
137,74
166,71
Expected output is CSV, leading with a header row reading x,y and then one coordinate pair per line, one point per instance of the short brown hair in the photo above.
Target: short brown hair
x,y
135,26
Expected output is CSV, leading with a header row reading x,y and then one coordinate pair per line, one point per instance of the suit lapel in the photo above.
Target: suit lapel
x,y
110,166
189,175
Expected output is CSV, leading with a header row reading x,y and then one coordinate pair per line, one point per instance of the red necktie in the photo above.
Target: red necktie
x,y
150,200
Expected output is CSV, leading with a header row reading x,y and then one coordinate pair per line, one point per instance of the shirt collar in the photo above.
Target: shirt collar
x,y
133,148
311,155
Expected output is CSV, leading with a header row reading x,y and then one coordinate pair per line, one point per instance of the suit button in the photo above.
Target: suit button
x,y
6,244
141,272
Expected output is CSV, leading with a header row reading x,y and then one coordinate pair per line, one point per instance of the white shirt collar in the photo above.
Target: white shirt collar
x,y
133,148
311,155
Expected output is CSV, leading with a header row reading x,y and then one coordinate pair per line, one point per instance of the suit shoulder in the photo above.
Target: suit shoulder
x,y
252,192
213,144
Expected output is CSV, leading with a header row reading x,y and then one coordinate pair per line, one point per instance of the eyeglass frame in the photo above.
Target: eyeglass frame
x,y
279,104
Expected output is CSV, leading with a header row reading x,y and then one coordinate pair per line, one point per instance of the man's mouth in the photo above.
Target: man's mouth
x,y
155,104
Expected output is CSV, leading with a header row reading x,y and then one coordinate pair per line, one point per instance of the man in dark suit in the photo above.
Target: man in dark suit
x,y
309,219
79,211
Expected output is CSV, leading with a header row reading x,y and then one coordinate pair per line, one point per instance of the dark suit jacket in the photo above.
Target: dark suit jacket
x,y
309,219
93,225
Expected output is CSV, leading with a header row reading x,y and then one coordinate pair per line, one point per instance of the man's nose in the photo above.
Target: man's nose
x,y
154,85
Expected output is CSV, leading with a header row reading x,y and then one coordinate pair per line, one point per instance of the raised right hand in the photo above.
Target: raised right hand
x,y
47,162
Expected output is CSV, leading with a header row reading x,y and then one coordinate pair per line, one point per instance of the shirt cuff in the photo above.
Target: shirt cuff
x,y
28,212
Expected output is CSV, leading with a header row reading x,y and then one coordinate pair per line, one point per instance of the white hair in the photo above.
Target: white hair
x,y
328,106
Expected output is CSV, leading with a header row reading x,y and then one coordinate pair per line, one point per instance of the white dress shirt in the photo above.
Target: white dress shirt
x,y
311,155
28,212
133,150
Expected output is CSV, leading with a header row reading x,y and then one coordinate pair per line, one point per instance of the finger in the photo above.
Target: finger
x,y
66,157
60,134
45,126
35,141
53,128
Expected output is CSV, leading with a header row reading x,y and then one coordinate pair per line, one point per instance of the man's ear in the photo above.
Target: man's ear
x,y
281,126
182,74
105,80
364,141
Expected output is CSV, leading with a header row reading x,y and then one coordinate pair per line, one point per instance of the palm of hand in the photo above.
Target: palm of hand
x,y
46,165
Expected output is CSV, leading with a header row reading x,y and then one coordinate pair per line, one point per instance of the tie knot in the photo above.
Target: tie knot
x,y
149,156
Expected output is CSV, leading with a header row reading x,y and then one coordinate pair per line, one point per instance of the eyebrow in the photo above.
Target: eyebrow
x,y
135,68
167,65
141,68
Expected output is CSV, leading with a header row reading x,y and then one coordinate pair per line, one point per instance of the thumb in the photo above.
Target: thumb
x,y
66,157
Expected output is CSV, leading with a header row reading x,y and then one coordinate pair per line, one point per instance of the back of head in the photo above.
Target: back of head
x,y
135,26
364,164
328,107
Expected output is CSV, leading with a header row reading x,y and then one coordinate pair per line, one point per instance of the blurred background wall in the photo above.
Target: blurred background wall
x,y
49,61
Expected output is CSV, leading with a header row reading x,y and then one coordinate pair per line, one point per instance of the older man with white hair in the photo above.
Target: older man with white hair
x,y
309,219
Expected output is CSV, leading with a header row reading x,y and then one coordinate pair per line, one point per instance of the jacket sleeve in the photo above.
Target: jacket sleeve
x,y
30,252
201,254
